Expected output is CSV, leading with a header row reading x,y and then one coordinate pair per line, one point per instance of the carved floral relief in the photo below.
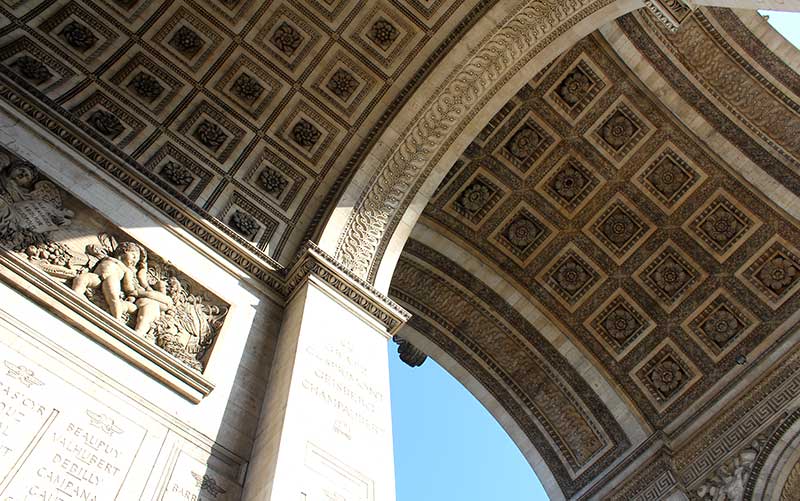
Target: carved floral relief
x,y
56,233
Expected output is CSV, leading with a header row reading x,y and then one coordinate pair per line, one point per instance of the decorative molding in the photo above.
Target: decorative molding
x,y
314,261
777,437
509,47
149,187
143,183
727,482
670,13
655,480
755,130
101,327
515,362
723,459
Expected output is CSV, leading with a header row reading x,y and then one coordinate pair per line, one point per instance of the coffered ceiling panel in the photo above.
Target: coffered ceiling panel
x,y
254,111
623,228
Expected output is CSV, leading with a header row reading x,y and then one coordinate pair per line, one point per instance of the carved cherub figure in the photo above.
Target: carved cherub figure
x,y
122,278
27,204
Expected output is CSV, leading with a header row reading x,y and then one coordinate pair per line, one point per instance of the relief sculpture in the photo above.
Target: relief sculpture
x,y
55,233
28,207
727,483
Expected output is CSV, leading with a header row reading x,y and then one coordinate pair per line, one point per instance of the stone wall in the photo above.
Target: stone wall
x,y
91,409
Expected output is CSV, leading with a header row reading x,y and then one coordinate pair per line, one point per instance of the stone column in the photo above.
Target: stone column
x,y
325,431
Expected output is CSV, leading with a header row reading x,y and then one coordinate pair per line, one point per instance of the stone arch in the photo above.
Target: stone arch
x,y
776,472
472,259
531,377
377,211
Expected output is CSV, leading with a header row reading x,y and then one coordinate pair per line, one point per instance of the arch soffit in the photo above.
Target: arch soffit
x,y
624,274
477,266
777,473
379,216
568,421
732,80
506,46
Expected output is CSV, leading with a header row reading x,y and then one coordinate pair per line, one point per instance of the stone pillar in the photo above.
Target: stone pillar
x,y
325,431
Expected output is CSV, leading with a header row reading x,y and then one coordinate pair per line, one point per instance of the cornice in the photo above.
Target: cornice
x,y
314,261
58,122
107,158
670,13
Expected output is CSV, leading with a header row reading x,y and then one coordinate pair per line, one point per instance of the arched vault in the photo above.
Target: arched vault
x,y
590,206
625,218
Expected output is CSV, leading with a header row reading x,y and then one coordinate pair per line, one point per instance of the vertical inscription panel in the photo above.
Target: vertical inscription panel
x,y
339,384
56,442
195,480
338,418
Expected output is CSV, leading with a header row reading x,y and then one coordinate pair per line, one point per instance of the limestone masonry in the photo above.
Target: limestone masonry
x,y
215,215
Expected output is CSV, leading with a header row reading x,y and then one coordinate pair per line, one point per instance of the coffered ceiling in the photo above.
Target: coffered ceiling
x,y
639,193
254,111
622,228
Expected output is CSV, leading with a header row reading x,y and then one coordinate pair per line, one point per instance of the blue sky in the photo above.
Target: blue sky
x,y
446,445
787,23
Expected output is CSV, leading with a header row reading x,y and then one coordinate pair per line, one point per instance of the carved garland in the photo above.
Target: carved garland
x,y
525,33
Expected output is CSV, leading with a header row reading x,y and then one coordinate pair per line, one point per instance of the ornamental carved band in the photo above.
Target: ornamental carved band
x,y
671,13
525,32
